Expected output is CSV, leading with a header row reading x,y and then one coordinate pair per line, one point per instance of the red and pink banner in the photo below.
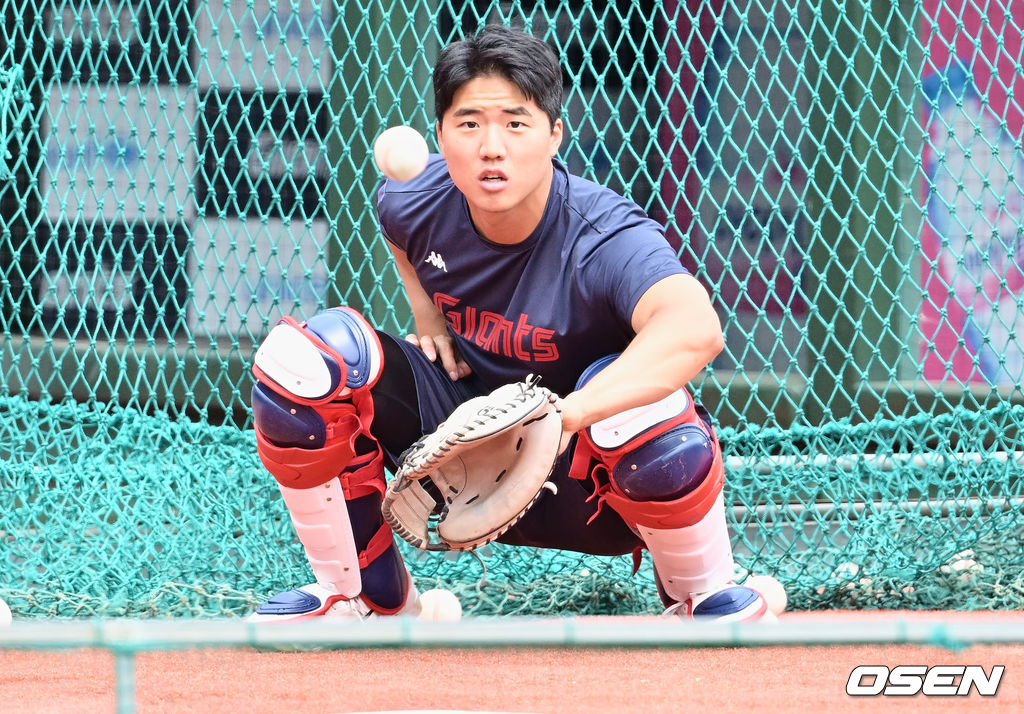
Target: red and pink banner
x,y
972,319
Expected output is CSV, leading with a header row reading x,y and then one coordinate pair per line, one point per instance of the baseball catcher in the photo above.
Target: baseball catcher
x,y
513,267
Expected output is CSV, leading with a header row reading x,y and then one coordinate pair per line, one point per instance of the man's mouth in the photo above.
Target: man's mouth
x,y
493,177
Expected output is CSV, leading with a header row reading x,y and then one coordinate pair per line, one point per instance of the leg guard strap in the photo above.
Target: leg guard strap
x,y
305,446
360,480
378,545
298,467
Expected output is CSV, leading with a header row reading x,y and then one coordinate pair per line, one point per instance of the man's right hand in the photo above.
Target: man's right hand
x,y
442,346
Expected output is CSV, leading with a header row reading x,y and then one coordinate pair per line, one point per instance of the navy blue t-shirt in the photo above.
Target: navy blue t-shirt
x,y
550,305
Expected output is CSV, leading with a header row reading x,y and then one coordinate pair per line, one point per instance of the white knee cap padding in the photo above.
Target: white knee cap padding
x,y
333,354
693,559
321,520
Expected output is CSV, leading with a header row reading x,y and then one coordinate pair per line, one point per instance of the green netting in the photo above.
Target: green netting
x,y
845,177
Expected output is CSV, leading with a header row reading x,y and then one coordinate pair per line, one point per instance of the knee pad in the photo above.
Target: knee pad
x,y
662,460
667,467
330,356
312,400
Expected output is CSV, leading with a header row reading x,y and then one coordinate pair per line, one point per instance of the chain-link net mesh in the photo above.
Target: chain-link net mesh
x,y
845,177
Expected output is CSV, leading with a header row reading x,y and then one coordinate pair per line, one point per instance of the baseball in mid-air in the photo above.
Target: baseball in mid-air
x,y
401,153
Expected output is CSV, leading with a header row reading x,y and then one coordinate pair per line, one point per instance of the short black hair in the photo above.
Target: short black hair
x,y
521,58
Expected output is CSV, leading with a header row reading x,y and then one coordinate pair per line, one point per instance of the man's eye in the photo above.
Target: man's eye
x,y
516,124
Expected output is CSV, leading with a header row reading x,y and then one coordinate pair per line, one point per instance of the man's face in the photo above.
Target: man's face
x,y
499,145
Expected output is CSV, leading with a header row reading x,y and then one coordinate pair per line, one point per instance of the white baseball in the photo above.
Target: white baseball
x,y
401,153
965,568
771,590
440,605
5,614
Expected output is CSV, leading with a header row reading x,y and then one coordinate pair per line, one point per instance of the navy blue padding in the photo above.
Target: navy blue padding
x,y
343,332
292,602
728,601
384,578
668,466
285,423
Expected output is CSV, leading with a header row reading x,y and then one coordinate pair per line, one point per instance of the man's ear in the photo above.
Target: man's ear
x,y
440,140
556,137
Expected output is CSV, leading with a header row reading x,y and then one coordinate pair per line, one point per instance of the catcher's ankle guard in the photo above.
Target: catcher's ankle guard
x,y
315,600
658,465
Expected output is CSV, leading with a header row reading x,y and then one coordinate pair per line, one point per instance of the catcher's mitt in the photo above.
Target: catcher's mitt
x,y
473,478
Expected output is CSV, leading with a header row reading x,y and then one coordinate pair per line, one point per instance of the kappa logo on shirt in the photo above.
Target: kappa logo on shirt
x,y
436,260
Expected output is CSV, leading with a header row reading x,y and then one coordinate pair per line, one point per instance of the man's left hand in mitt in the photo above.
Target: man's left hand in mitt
x,y
479,472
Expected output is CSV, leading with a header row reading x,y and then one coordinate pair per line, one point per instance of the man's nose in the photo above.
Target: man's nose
x,y
492,144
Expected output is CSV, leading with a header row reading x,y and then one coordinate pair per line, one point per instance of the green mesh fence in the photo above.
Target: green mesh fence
x,y
845,177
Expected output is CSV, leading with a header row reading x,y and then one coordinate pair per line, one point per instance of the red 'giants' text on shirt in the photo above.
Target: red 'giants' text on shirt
x,y
496,333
